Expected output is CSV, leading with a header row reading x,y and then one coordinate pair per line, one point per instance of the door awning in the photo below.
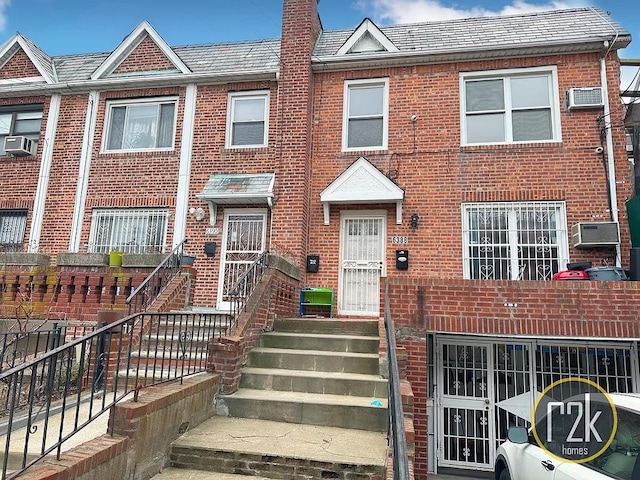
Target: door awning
x,y
362,183
237,189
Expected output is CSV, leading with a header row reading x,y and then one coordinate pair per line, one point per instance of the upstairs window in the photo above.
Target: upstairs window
x,y
247,122
366,115
514,241
24,120
140,125
13,224
510,107
128,230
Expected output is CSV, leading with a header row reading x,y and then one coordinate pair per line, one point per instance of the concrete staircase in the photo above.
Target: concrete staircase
x,y
311,404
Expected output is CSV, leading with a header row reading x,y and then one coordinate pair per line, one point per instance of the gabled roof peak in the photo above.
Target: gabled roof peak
x,y
40,60
367,38
129,44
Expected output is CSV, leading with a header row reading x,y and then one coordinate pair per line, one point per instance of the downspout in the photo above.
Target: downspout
x,y
606,117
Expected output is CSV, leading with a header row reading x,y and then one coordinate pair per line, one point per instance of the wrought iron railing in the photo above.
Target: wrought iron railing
x,y
19,347
45,401
244,286
397,435
143,296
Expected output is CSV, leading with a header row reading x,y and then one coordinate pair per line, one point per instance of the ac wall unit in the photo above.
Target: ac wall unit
x,y
18,145
590,97
595,234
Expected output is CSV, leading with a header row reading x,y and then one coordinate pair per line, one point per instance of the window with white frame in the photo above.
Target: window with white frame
x,y
24,120
366,114
514,241
148,124
13,224
128,230
248,119
512,106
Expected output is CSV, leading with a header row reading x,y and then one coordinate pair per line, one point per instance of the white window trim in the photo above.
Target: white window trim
x,y
233,96
550,70
138,101
563,243
385,114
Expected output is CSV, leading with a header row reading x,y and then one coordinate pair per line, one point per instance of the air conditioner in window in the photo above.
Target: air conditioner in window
x,y
595,234
590,97
19,146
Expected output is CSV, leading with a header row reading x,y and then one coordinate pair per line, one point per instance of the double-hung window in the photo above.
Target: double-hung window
x,y
13,224
129,230
366,114
512,106
248,119
24,120
148,124
514,241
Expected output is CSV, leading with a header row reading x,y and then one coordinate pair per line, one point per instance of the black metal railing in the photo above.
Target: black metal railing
x,y
46,400
397,435
19,347
244,286
144,295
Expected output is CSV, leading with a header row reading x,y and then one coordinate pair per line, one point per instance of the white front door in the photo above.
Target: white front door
x,y
362,261
244,236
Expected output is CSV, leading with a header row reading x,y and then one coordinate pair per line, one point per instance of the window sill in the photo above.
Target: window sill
x,y
509,146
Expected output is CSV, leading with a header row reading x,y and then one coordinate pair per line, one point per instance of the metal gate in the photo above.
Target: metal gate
x,y
487,386
243,242
362,255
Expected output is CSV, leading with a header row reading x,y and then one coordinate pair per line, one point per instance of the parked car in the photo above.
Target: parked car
x,y
521,458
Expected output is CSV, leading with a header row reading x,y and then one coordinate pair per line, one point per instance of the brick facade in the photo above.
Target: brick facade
x,y
304,150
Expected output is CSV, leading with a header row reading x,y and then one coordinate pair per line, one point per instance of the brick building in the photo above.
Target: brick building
x,y
449,159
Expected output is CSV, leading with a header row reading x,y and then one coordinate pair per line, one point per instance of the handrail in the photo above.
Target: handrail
x,y
155,283
80,380
396,420
244,286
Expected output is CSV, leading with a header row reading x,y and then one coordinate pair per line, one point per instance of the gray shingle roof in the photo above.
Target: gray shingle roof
x,y
577,25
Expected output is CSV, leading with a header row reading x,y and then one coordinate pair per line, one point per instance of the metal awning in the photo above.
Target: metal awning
x,y
362,183
237,189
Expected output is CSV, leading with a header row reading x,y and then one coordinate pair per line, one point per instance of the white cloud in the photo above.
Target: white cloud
x,y
3,17
410,11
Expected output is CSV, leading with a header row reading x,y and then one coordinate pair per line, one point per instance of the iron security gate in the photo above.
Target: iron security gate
x,y
244,240
362,254
486,386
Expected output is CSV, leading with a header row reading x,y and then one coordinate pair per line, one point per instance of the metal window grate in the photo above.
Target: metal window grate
x,y
514,241
128,230
13,224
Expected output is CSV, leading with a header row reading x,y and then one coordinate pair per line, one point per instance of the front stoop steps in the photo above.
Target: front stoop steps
x,y
311,404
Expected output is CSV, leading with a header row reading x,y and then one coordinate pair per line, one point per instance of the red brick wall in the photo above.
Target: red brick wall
x,y
438,175
144,58
18,66
562,308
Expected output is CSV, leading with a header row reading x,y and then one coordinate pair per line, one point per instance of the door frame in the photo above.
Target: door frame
x,y
361,214
226,305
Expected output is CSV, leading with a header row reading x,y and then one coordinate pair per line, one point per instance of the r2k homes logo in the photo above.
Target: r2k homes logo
x,y
574,419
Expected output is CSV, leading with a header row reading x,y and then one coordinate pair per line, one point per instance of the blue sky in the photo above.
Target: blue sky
x,y
79,26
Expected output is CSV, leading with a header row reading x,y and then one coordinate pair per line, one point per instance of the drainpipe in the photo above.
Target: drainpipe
x,y
613,196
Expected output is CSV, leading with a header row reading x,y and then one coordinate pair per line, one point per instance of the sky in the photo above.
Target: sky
x,y
81,26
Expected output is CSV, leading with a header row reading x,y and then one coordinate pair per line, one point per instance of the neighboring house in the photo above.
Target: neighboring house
x,y
450,158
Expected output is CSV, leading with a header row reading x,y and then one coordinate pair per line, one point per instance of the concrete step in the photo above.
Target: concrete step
x,y
172,473
324,342
361,413
279,450
327,326
314,360
355,384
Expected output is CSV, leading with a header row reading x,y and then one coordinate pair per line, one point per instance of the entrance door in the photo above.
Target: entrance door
x,y
362,259
484,389
243,243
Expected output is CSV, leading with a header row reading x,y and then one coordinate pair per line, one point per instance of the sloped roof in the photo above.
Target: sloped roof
x,y
555,27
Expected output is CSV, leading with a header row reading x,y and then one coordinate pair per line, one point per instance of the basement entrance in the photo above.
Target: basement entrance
x,y
484,386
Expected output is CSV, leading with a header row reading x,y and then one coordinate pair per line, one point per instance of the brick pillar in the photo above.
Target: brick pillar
x,y
300,29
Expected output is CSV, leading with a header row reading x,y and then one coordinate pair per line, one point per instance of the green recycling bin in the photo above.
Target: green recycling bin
x,y
633,214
